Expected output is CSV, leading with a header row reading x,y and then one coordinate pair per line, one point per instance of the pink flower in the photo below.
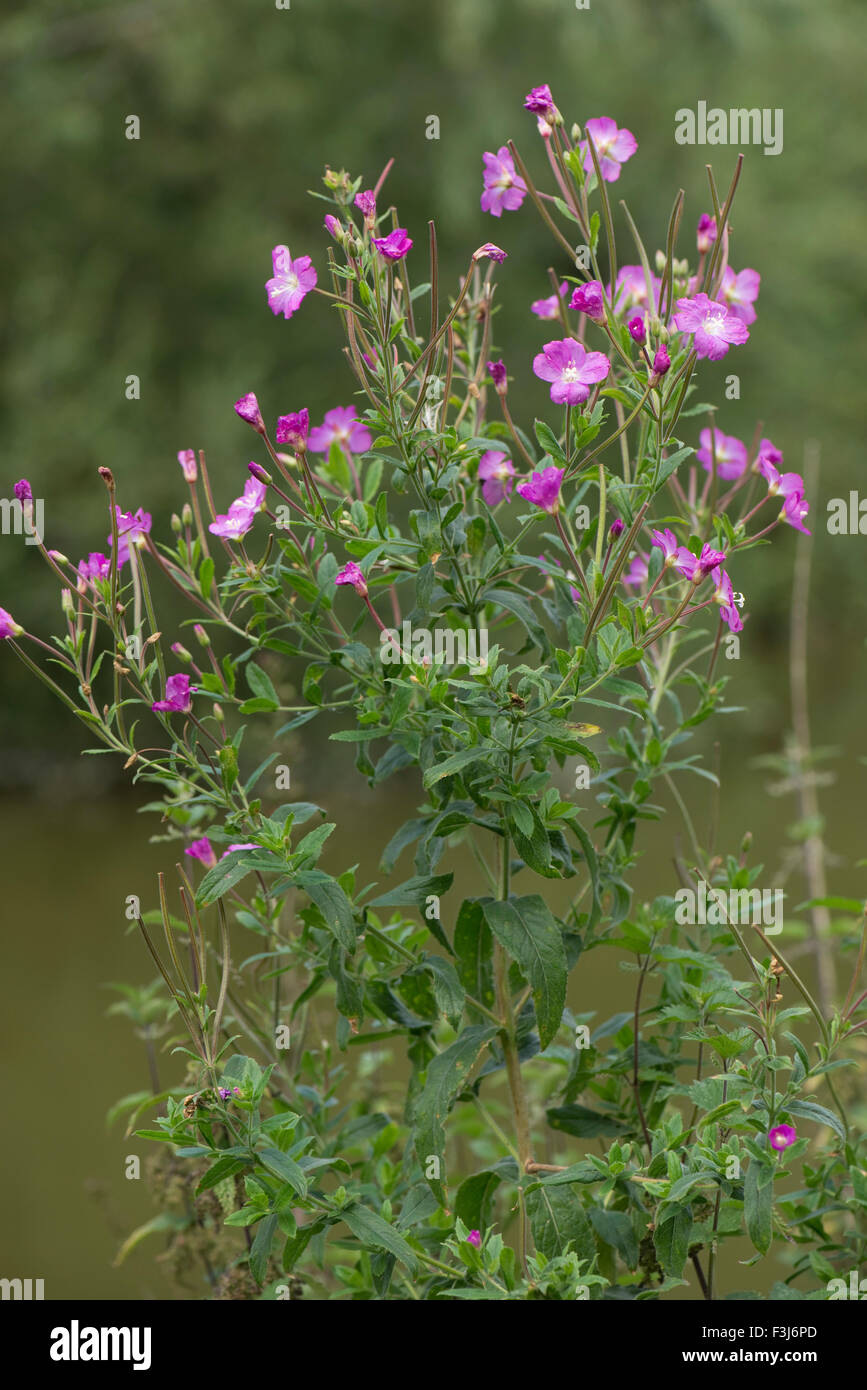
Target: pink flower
x,y
613,147
616,529
235,523
187,460
731,454
203,851
630,289
248,409
767,452
394,246
495,473
715,326
780,484
724,595
549,308
637,331
231,850
705,235
366,203
340,426
474,1238
674,555
781,1136
293,429
570,369
96,566
636,574
490,252
351,574
291,283
740,293
504,189
23,491
132,527
588,299
794,511
178,698
8,626
498,377
707,561
333,227
540,101
543,489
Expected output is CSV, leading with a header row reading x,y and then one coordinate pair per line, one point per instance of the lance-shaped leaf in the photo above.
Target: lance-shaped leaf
x,y
446,1075
758,1204
671,1237
332,902
530,933
371,1229
447,988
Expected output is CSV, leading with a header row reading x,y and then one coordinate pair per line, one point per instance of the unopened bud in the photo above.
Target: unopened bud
x,y
181,652
187,514
660,261
201,635
177,524
67,604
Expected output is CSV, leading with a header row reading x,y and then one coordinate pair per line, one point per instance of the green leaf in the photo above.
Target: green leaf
x,y
615,1228
447,988
261,1248
548,441
223,1168
758,1204
475,1199
332,902
583,1122
445,1077
474,954
453,764
261,685
284,1168
671,1239
206,576
371,1229
532,937
809,1110
558,1219
415,891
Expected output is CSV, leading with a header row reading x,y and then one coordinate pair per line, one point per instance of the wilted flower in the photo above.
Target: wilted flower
x,y
731,454
570,369
366,203
504,189
351,574
491,252
291,283
394,246
8,626
540,101
588,299
543,488
613,147
293,429
203,851
340,426
178,698
23,491
248,409
496,471
705,235
187,460
498,377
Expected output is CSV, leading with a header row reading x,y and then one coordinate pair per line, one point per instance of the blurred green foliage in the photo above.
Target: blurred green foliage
x,y
150,256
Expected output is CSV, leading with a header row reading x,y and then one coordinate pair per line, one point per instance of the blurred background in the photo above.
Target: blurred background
x,y
148,257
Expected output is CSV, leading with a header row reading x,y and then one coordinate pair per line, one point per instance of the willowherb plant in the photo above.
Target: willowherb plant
x,y
465,595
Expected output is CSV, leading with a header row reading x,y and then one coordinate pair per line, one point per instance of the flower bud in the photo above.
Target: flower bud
x,y
177,524
67,604
201,635
181,652
187,514
660,261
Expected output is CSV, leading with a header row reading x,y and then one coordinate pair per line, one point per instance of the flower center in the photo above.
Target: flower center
x,y
714,324
570,372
